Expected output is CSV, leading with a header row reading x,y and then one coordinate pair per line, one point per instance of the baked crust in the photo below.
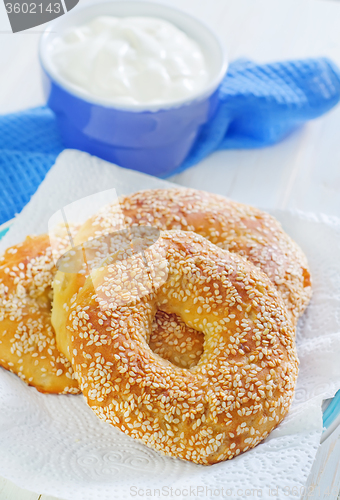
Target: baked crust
x,y
243,384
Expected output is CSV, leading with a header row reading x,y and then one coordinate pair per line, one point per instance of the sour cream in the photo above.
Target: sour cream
x,y
130,61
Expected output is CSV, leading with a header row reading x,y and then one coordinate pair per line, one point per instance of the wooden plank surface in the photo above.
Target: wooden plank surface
x,y
302,172
9,491
324,480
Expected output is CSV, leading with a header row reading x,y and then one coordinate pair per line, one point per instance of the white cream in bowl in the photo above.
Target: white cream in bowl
x,y
130,60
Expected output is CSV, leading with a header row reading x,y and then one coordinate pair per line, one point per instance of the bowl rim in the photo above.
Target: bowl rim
x,y
202,94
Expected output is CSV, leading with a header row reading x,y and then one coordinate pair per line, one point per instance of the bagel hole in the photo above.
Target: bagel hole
x,y
174,341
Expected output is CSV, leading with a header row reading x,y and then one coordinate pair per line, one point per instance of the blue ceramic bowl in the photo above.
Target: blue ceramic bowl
x,y
151,139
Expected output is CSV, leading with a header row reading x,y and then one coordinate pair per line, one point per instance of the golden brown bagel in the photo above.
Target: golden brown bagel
x,y
243,384
27,339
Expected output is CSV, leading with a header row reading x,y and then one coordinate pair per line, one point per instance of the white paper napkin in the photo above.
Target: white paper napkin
x,y
56,445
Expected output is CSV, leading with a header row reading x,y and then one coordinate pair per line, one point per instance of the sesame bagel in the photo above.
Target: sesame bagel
x,y
27,339
243,384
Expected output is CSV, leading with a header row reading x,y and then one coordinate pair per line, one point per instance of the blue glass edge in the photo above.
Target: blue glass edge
x,y
332,410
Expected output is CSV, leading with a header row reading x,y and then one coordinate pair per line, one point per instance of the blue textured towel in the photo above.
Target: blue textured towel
x,y
259,106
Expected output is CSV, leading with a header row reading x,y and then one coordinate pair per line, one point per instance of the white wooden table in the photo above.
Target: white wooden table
x,y
303,172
